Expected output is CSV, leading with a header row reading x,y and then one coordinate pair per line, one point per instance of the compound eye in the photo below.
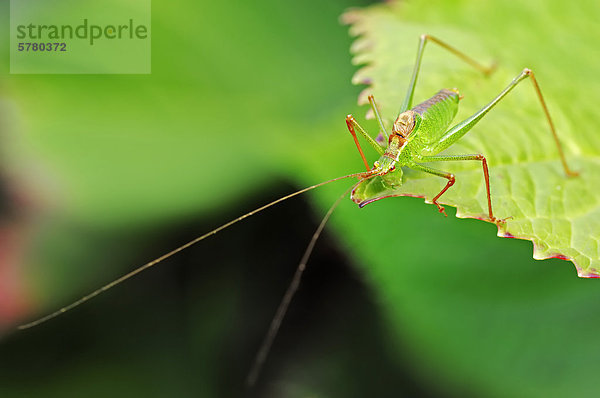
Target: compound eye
x,y
393,168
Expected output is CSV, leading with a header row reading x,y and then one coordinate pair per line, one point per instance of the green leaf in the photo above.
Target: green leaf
x,y
560,215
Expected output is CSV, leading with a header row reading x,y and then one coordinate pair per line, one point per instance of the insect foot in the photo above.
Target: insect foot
x,y
441,208
500,221
451,180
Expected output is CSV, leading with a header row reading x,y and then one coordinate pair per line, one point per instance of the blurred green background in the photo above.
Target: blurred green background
x,y
245,103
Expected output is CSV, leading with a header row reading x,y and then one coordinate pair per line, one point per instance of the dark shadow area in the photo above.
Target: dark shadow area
x,y
192,325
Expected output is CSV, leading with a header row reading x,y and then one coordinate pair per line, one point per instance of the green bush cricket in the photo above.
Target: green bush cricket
x,y
417,137
420,133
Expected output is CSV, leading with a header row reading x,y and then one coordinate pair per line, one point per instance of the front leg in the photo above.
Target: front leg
x,y
352,124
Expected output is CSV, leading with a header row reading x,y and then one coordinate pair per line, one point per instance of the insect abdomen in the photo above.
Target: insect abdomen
x,y
437,113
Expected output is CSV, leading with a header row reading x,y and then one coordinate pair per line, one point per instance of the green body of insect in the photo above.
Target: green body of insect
x,y
415,132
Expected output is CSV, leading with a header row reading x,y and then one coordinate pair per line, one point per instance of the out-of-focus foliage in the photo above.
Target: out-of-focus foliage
x,y
241,95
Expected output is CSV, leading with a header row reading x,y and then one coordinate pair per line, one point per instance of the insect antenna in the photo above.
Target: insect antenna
x,y
175,251
267,342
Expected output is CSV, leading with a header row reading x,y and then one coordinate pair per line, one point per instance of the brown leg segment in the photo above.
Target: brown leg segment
x,y
568,171
350,122
451,181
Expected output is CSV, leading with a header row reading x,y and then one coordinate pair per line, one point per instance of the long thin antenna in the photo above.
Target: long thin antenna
x,y
175,251
265,347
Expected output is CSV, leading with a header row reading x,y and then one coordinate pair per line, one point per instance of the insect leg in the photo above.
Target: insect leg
x,y
449,176
406,105
352,124
379,120
486,174
456,132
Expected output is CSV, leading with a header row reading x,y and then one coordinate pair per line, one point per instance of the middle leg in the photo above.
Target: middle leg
x,y
486,176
